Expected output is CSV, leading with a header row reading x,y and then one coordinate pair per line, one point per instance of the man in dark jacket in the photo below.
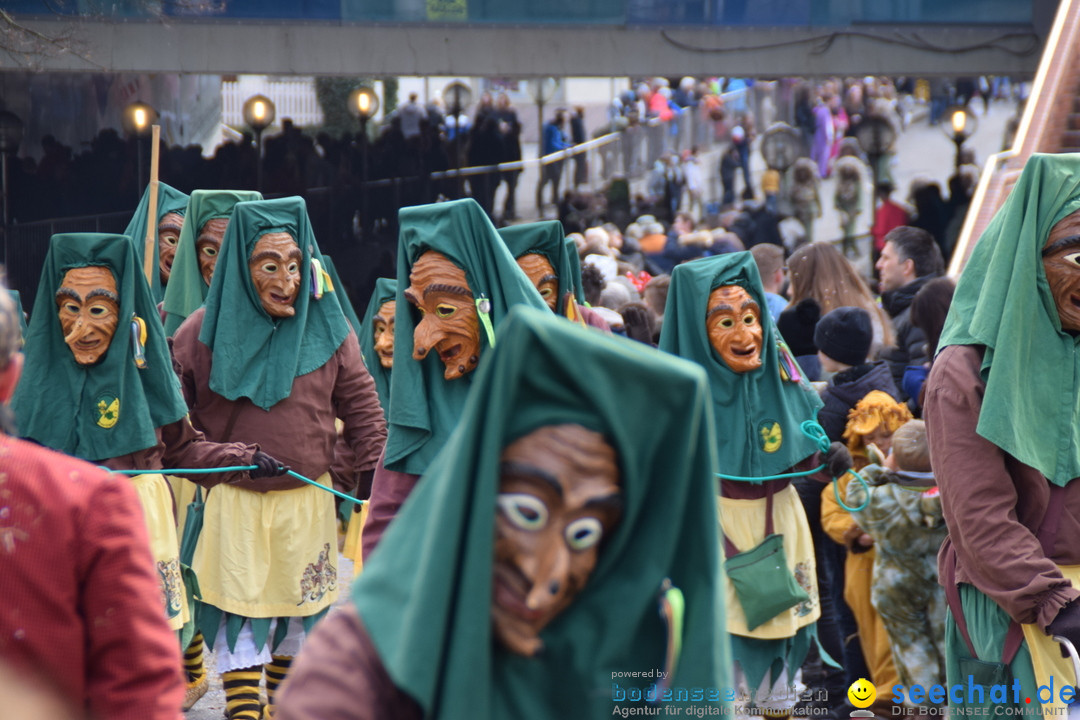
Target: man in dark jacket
x,y
908,261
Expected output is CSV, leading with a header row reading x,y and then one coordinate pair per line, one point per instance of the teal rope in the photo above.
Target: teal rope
x,y
813,430
236,468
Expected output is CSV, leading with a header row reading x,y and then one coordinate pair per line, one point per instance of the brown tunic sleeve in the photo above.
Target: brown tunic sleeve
x,y
339,676
993,504
389,490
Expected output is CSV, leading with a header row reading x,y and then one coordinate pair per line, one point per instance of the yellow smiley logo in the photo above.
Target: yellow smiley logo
x,y
862,693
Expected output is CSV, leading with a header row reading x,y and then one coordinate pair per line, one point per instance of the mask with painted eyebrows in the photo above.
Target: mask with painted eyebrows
x,y
559,496
275,272
89,309
168,235
733,322
383,329
448,321
543,277
1061,261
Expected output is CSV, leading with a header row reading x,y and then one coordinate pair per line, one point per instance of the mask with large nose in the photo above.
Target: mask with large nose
x,y
733,323
89,309
275,271
448,321
559,496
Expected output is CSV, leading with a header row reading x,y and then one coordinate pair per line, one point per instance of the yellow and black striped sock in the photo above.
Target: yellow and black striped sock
x,y
193,660
276,670
242,693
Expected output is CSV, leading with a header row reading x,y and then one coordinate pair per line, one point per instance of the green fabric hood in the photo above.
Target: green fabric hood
x,y
426,406
257,356
1031,408
548,239
69,407
431,625
385,291
744,403
186,290
169,200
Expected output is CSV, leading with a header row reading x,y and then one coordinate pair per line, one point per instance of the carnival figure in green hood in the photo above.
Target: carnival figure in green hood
x,y
168,224
561,551
197,251
270,358
717,316
99,385
456,282
1002,410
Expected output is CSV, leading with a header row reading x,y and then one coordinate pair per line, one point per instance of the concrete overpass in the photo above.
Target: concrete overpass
x,y
756,38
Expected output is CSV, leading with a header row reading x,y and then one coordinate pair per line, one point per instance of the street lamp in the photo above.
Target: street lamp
x,y
962,124
363,104
259,113
137,119
457,96
11,134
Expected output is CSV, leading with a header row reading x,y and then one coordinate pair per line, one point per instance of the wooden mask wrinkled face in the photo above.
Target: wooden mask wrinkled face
x,y
383,330
89,309
733,322
558,497
448,323
168,233
208,245
542,276
275,271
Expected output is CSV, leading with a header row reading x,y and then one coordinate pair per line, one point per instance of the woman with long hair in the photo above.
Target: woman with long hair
x,y
819,271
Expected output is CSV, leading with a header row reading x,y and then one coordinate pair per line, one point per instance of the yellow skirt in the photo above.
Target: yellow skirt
x,y
268,554
157,504
183,492
353,547
743,521
1051,670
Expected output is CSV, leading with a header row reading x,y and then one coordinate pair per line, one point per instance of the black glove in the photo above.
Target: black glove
x,y
266,466
1067,624
837,460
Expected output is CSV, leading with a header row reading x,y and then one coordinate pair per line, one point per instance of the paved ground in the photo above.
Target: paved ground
x,y
922,151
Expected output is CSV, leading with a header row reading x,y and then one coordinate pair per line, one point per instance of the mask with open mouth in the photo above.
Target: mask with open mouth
x,y
89,309
733,323
448,321
275,272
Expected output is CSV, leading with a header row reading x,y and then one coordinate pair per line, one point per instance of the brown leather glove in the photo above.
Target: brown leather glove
x,y
266,466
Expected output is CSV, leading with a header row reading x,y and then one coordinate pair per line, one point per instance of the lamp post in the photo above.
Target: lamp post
x,y
457,96
542,91
962,125
137,119
363,104
875,136
259,114
11,133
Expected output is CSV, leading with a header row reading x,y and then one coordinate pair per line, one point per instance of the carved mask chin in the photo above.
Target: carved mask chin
x,y
89,309
448,323
733,322
547,540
